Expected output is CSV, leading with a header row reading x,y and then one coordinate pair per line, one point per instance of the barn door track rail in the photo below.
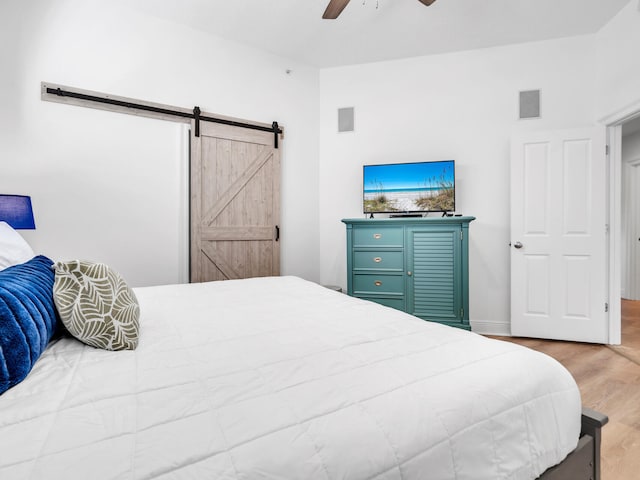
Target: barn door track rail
x,y
85,98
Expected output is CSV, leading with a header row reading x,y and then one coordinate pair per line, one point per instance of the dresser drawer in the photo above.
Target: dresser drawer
x,y
397,303
378,236
378,260
366,283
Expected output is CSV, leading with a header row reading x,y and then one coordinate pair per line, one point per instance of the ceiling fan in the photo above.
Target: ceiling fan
x,y
335,8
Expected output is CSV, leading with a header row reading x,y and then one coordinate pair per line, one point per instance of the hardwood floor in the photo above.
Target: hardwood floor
x,y
630,347
609,382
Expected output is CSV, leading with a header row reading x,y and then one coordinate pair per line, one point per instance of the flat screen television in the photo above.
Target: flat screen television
x,y
418,187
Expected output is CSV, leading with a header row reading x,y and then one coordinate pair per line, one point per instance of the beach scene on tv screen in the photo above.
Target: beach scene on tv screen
x,y
409,187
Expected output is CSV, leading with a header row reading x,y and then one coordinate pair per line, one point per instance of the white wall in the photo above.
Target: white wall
x,y
77,163
630,216
631,147
462,106
618,64
110,187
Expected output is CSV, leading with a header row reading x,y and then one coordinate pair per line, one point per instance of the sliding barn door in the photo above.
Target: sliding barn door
x,y
235,203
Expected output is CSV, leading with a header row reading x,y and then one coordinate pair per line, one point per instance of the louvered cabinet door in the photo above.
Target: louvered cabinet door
x,y
437,282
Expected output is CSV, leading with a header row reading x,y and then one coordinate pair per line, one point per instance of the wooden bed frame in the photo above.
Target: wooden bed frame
x,y
584,462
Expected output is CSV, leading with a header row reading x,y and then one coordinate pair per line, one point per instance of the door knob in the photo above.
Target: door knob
x,y
517,245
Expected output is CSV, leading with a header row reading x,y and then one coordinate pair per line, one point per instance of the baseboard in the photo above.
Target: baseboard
x,y
488,327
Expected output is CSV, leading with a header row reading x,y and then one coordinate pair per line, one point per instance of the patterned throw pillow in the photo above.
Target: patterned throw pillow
x,y
96,305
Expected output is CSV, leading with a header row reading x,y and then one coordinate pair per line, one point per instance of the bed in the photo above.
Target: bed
x,y
280,378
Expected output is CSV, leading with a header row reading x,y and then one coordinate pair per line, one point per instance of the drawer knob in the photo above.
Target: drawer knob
x,y
409,273
377,283
377,236
377,259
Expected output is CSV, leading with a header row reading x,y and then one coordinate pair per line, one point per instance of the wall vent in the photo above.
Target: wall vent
x,y
345,119
530,104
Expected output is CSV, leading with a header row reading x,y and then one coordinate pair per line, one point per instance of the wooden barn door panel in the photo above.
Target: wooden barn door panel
x,y
235,204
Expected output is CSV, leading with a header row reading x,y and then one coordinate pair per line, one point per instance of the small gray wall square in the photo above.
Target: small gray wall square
x,y
345,119
530,104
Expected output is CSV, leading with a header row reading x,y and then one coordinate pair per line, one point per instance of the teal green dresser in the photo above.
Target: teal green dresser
x,y
417,265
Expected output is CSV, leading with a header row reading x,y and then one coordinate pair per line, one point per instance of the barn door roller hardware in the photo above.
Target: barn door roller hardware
x,y
153,110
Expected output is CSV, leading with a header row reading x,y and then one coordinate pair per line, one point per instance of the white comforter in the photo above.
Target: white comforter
x,y
279,378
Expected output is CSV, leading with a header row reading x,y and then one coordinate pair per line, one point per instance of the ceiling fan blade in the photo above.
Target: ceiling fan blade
x,y
427,2
334,9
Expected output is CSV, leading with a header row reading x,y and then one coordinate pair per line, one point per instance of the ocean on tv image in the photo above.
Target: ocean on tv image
x,y
409,187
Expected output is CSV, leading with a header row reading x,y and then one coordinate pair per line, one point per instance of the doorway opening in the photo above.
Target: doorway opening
x,y
623,139
630,238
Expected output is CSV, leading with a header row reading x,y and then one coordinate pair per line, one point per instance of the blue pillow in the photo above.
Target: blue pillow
x,y
28,318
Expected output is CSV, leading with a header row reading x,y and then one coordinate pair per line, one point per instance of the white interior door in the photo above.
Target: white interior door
x,y
558,236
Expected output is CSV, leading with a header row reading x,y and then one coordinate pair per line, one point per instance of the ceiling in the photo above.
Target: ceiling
x,y
377,30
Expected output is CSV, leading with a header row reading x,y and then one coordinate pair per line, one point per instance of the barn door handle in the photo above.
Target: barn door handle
x,y
277,233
